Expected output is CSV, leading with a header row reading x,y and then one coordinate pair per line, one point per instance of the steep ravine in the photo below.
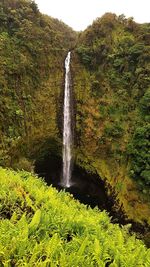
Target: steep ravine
x,y
110,84
98,180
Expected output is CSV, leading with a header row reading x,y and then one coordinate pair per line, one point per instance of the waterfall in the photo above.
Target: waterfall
x,y
67,131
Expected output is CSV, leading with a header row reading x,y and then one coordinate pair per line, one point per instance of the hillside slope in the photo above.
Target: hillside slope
x,y
41,227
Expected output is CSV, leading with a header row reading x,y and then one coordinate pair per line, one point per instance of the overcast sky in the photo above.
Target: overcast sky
x,y
80,13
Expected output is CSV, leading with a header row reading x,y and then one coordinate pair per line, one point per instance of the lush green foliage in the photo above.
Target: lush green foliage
x,y
41,227
110,76
139,150
139,146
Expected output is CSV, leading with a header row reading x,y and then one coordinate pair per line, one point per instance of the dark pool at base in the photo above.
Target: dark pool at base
x,y
88,188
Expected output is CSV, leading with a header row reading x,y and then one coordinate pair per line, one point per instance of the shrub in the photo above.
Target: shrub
x,y
114,130
139,149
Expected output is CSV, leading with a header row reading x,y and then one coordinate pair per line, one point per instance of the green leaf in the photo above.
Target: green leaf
x,y
35,220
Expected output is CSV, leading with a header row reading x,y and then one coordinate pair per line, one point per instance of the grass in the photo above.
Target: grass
x,y
40,226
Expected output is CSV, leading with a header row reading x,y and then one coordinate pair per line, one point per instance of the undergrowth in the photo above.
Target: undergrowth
x,y
42,227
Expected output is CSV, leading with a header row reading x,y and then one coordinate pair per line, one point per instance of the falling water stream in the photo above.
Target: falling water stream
x,y
67,132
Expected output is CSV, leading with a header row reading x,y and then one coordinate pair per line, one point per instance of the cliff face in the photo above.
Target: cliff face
x,y
110,77
111,67
32,52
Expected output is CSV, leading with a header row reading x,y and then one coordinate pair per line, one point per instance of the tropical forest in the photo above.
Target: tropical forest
x,y
74,140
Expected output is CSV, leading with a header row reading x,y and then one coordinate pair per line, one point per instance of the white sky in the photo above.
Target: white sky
x,y
80,13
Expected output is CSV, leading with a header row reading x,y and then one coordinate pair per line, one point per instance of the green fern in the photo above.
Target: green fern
x,y
35,221
61,232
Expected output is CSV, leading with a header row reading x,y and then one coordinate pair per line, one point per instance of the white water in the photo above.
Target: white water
x,y
67,132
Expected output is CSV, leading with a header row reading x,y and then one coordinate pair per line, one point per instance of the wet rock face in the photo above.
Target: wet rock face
x,y
49,167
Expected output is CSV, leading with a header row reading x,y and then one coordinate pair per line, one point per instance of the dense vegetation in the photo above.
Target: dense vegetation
x,y
111,67
41,227
32,51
